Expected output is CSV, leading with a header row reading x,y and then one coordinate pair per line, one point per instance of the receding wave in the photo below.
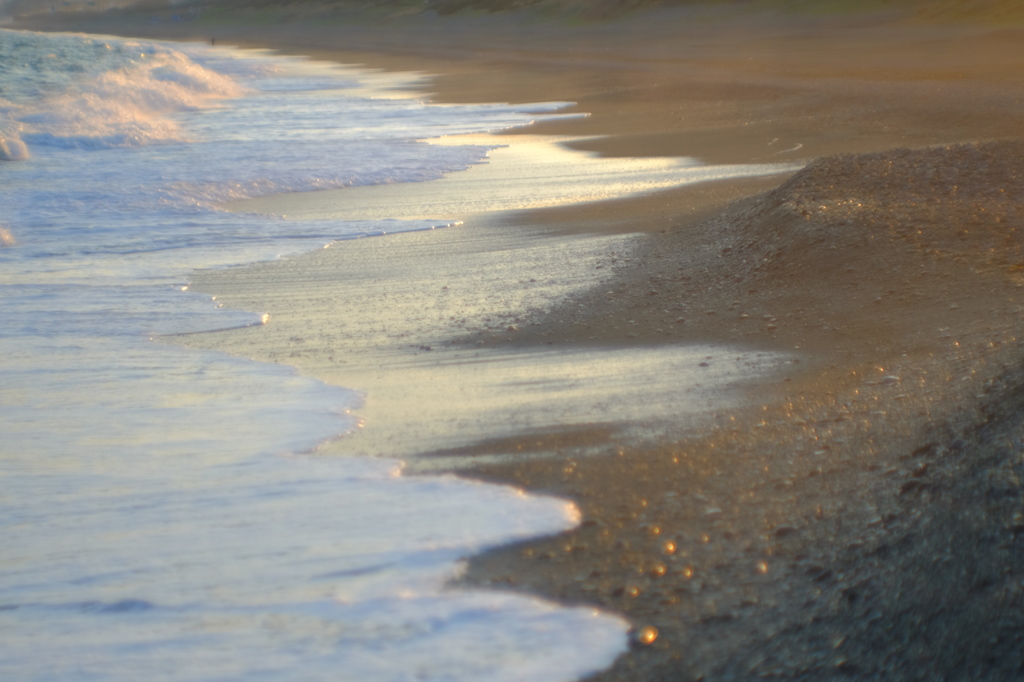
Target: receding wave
x,y
175,448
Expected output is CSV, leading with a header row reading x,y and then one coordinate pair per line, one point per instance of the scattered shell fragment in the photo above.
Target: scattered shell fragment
x,y
646,635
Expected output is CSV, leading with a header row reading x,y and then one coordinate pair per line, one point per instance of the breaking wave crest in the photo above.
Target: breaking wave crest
x,y
129,103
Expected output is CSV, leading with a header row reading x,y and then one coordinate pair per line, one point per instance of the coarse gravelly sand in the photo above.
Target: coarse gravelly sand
x,y
849,508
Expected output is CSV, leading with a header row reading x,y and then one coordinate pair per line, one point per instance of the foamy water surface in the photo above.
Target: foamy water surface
x,y
159,518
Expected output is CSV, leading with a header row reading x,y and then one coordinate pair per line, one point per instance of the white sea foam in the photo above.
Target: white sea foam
x,y
80,92
131,106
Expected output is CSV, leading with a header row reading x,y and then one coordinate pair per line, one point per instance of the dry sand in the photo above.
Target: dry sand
x,y
856,514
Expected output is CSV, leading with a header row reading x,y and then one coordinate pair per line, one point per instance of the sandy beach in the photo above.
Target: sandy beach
x,y
850,506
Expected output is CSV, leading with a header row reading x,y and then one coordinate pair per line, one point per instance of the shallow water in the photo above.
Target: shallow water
x,y
160,519
156,521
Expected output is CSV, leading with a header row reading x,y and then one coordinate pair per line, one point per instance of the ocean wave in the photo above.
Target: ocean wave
x,y
131,101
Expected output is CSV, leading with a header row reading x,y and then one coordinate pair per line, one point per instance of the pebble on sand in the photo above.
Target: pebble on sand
x,y
646,635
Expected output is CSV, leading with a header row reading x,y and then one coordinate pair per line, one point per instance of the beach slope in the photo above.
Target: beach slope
x,y
858,512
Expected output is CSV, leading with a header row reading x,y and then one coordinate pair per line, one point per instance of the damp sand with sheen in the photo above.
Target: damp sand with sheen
x,y
425,338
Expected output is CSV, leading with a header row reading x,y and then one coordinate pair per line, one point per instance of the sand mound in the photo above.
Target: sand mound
x,y
874,247
955,202
876,252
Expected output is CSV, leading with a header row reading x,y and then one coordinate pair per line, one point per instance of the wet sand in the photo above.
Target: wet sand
x,y
856,511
